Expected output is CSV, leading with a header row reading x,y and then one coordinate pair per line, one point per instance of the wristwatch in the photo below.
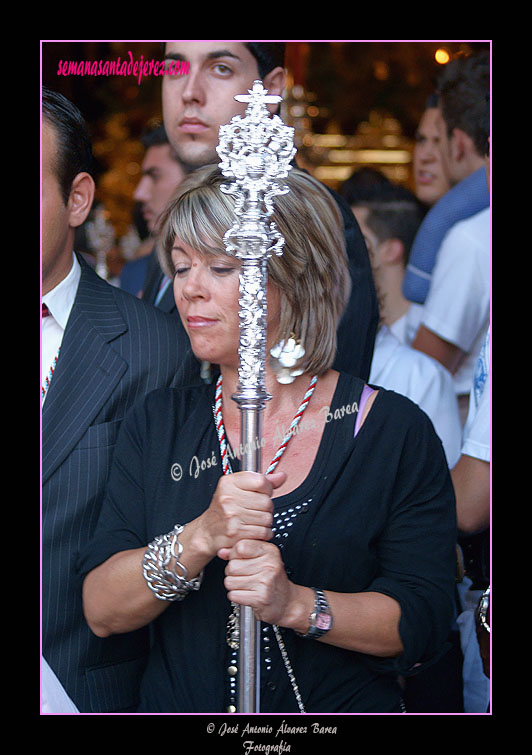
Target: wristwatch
x,y
320,619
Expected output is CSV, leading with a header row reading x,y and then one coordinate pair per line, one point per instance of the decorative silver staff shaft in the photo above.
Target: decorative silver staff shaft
x,y
255,151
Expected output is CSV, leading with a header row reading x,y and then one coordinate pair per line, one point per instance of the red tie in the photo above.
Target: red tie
x,y
45,311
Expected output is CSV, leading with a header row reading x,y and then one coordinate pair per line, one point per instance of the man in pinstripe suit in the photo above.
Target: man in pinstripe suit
x,y
102,349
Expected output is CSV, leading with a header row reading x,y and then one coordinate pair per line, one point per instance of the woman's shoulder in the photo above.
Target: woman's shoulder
x,y
174,405
387,405
353,386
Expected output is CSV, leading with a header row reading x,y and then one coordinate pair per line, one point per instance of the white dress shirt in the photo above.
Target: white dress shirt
x,y
59,302
54,699
424,381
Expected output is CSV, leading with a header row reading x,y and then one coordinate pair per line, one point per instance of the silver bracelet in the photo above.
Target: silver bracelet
x,y
483,608
165,583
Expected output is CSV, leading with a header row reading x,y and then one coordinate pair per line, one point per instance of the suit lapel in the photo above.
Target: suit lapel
x,y
87,371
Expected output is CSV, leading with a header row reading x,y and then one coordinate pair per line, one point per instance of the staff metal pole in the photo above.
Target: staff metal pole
x,y
255,152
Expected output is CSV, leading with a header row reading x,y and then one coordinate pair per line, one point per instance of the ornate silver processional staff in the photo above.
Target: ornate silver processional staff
x,y
256,151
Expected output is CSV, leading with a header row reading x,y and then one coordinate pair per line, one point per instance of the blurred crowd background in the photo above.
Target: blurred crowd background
x,y
353,104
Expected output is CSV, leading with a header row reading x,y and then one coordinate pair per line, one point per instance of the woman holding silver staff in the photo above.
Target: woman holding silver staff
x,y
344,545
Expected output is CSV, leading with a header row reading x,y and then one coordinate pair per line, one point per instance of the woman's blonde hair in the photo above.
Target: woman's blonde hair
x,y
312,275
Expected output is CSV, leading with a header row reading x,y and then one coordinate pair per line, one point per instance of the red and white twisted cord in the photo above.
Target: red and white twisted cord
x,y
290,432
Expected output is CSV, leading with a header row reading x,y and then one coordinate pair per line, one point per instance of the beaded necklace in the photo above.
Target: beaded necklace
x,y
232,625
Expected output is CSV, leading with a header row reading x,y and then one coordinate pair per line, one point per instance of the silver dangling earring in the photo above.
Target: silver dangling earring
x,y
285,355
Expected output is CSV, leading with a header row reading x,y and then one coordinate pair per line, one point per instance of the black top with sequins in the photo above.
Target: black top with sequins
x,y
375,513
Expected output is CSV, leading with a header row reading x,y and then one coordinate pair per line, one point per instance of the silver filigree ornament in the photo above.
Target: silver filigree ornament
x,y
256,152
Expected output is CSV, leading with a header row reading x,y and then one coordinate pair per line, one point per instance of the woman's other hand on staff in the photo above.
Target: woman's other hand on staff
x,y
241,509
256,577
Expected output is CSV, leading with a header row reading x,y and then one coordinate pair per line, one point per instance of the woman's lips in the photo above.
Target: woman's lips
x,y
200,322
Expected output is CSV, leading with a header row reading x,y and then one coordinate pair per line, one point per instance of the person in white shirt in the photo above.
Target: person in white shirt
x,y
54,699
471,476
472,483
389,216
400,368
456,310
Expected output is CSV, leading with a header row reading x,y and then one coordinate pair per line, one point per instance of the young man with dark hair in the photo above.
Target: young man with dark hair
x,y
161,174
462,93
195,105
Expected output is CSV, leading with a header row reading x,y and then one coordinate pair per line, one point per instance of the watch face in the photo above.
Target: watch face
x,y
323,621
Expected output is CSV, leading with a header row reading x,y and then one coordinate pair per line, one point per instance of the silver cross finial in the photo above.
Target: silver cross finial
x,y
256,151
258,95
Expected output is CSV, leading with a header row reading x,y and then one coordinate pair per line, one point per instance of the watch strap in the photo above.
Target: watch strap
x,y
320,620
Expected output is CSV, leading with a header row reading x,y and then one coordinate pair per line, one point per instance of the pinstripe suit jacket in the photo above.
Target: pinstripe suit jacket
x,y
115,349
